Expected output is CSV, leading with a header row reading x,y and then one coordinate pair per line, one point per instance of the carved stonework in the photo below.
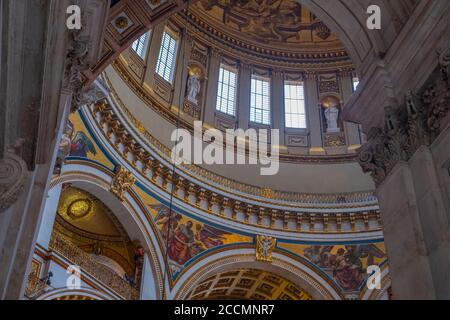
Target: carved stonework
x,y
122,182
76,63
328,84
74,81
334,140
191,109
13,173
418,122
264,248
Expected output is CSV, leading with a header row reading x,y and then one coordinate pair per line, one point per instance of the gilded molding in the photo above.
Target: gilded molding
x,y
264,248
122,182
101,273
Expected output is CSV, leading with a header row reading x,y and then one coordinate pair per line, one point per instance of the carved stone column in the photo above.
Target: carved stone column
x,y
409,160
39,88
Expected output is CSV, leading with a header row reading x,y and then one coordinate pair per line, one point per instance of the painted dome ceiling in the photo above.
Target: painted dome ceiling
x,y
279,30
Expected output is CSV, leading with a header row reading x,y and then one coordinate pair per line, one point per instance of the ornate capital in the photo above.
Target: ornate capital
x,y
264,248
13,172
122,182
417,122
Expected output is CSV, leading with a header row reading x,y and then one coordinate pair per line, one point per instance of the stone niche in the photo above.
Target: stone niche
x,y
333,125
195,90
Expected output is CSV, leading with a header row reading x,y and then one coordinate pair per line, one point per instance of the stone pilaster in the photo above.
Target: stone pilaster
x,y
244,83
278,120
52,85
153,53
181,69
313,111
49,215
212,86
409,161
352,131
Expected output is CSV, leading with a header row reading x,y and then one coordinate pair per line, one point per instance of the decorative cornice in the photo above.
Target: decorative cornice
x,y
416,123
108,119
282,213
334,59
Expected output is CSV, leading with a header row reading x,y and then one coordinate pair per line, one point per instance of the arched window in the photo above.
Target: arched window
x,y
294,105
260,100
140,45
167,57
226,91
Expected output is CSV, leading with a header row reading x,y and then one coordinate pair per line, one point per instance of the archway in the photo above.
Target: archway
x,y
302,275
81,294
129,213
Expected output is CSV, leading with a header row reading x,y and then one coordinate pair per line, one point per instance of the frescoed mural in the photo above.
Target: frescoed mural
x,y
186,238
345,264
77,142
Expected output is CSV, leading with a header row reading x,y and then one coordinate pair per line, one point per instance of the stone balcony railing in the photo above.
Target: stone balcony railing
x,y
311,213
102,274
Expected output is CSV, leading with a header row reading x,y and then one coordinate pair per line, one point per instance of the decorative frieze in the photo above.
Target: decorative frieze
x,y
417,122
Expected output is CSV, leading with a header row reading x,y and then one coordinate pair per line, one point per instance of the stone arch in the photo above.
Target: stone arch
x,y
80,294
129,213
301,274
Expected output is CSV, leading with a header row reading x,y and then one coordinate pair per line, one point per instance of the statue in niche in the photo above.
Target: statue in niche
x,y
193,88
332,116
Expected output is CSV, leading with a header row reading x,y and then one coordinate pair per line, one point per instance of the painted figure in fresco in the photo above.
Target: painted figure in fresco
x,y
162,220
208,237
185,240
71,144
64,147
348,275
81,145
180,243
346,266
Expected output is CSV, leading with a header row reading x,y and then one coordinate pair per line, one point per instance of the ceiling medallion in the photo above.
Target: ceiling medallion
x,y
79,208
121,22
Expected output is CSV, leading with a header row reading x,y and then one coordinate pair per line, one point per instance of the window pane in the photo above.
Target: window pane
x,y
166,59
355,83
294,102
226,93
140,44
260,101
